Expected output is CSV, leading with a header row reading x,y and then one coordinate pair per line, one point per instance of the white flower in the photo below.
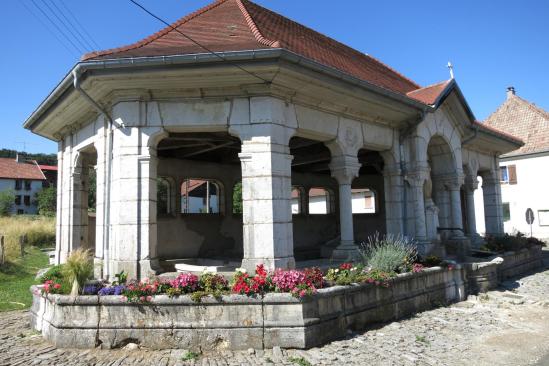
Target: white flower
x,y
354,269
241,270
336,270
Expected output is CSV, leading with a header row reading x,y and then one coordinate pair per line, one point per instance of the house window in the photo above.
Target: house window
x,y
200,196
543,217
17,200
27,200
20,212
18,184
319,201
163,196
27,185
506,212
364,201
296,201
508,174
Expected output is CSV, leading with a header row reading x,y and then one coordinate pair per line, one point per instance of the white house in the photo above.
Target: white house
x,y
254,100
524,173
25,179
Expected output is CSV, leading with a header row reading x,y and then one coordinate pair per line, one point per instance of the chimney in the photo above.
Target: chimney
x,y
510,91
17,159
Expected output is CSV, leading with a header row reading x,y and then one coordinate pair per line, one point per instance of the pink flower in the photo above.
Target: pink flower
x,y
149,298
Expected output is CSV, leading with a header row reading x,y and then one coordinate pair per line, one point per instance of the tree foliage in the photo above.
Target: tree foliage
x,y
237,198
47,201
7,201
46,159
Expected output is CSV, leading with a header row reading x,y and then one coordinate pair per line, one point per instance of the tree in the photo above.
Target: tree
x,y
7,201
47,201
237,198
92,190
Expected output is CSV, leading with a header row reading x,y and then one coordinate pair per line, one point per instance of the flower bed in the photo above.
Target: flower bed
x,y
284,308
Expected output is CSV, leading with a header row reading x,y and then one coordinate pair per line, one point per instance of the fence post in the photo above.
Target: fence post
x,y
22,245
2,256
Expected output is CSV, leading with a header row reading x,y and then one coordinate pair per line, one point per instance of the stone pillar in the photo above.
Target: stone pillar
x,y
416,182
394,186
79,208
493,214
345,169
454,187
266,199
470,187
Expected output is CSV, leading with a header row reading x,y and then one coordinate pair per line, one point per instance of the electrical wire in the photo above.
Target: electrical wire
x,y
75,18
57,27
66,27
87,43
48,28
198,44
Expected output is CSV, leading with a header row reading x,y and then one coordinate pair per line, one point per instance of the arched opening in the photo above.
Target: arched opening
x,y
314,208
84,200
199,201
368,201
437,191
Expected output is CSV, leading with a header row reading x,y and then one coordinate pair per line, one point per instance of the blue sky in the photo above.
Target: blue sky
x,y
492,44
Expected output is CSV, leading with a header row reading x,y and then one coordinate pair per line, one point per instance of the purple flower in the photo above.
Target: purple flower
x,y
112,290
92,288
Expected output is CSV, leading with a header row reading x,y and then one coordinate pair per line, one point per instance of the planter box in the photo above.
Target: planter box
x,y
239,322
523,261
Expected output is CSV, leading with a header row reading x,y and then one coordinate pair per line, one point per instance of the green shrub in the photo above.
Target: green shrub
x,y
57,274
78,269
510,242
389,253
46,201
7,200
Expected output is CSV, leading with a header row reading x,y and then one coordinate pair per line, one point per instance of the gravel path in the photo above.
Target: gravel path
x,y
509,326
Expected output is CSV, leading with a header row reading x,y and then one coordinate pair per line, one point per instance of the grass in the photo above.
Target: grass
x,y
17,276
300,361
422,339
189,356
39,231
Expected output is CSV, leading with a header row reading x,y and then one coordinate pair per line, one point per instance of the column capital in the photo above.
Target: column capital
x,y
490,178
391,170
471,184
452,182
345,168
417,178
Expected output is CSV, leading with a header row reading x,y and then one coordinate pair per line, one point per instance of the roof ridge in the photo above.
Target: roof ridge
x,y
253,27
338,43
156,35
533,106
430,86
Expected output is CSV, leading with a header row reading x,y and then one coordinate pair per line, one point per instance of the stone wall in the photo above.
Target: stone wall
x,y
239,322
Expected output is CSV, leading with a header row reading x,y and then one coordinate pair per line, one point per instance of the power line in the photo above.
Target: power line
x,y
198,44
56,26
65,26
49,30
81,37
75,18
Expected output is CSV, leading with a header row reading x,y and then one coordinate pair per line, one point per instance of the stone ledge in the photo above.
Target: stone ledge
x,y
236,321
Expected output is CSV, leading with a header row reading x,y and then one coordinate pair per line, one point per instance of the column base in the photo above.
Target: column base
x,y
459,247
270,263
149,268
426,248
346,251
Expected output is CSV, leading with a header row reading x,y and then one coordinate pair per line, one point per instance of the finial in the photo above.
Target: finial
x,y
451,68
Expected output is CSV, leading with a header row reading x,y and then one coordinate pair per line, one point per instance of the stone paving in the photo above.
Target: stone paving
x,y
509,326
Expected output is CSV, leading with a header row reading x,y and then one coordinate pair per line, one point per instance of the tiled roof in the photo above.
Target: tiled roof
x,y
524,120
48,167
429,94
11,169
240,25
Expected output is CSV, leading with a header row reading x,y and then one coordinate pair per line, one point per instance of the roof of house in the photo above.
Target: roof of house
x,y
520,118
11,169
241,25
47,167
430,94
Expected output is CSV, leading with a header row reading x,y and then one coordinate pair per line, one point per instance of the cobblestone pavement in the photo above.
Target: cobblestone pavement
x,y
505,327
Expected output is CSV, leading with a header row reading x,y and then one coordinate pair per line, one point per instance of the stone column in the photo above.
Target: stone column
x,y
493,214
345,169
266,199
470,187
454,188
416,182
393,183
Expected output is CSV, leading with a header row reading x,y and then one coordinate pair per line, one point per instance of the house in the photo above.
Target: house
x,y
50,172
524,172
252,102
25,179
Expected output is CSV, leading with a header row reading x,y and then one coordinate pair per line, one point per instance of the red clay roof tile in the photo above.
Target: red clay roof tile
x,y
11,169
429,94
239,25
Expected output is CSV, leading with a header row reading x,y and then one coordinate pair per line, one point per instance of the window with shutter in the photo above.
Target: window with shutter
x,y
512,169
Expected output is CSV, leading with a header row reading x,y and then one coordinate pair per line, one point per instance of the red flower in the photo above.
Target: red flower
x,y
346,266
